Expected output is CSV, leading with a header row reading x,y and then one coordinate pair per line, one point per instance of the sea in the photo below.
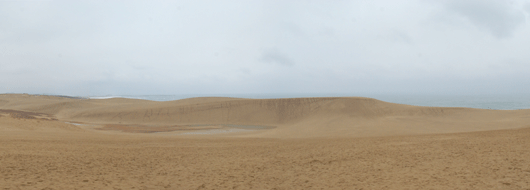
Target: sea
x,y
496,102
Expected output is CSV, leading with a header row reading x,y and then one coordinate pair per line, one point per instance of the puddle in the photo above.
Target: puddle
x,y
216,131
253,127
76,124
226,128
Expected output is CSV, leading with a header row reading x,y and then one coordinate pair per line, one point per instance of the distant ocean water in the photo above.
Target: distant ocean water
x,y
498,102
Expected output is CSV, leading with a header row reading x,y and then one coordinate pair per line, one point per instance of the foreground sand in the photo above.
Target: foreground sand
x,y
344,143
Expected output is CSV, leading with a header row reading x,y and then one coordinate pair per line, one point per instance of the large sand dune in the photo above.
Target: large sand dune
x,y
289,118
231,143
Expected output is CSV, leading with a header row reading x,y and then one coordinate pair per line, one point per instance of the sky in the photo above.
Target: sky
x,y
130,47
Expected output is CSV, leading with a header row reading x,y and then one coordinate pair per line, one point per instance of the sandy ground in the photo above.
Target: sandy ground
x,y
223,143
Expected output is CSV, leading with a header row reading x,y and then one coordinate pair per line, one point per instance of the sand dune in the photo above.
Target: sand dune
x,y
229,143
292,118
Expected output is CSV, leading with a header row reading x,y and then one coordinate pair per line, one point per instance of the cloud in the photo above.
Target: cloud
x,y
527,7
400,36
498,17
274,56
175,47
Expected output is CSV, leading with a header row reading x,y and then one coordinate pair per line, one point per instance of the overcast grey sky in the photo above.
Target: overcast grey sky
x,y
250,46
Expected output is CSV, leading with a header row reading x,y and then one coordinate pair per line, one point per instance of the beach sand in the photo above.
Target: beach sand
x,y
51,142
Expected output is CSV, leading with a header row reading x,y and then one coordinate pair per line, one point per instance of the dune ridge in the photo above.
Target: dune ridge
x,y
292,117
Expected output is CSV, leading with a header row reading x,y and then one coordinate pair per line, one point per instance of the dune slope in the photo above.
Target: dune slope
x,y
293,118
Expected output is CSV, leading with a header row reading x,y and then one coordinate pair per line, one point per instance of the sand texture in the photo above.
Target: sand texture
x,y
51,142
